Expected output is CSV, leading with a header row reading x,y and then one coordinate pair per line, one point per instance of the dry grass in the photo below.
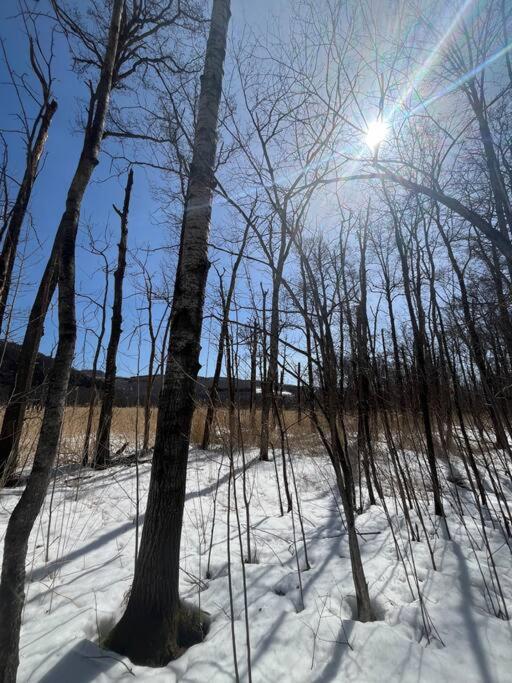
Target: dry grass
x,y
124,430
128,426
299,433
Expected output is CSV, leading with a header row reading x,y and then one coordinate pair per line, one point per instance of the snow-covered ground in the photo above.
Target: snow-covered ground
x,y
447,634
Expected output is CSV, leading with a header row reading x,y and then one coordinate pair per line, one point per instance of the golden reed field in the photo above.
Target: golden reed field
x,y
128,428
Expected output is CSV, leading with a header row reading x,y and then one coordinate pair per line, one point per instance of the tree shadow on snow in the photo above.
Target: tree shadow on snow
x,y
44,571
331,671
477,646
84,663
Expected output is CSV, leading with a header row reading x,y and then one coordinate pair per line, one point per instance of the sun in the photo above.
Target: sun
x,y
376,133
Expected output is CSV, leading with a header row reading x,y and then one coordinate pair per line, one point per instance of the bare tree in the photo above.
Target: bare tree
x,y
35,134
140,45
148,632
94,369
102,447
151,295
12,585
226,308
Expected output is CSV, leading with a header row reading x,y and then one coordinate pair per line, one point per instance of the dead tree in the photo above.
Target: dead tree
x,y
213,397
320,311
421,360
364,441
12,585
154,333
253,346
36,135
148,632
152,354
102,448
5,208
94,370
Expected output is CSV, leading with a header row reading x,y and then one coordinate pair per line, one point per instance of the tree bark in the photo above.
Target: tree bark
x,y
148,630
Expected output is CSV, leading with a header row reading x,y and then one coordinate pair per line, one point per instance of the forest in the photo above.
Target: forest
x,y
256,340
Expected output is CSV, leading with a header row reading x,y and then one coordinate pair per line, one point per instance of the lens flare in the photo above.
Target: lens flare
x,y
376,133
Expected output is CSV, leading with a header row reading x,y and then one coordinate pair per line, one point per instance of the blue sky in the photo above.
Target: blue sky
x,y
147,226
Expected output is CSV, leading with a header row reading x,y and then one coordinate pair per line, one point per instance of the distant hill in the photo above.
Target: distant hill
x,y
9,353
128,389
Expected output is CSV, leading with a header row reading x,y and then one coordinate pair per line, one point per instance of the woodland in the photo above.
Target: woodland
x,y
256,340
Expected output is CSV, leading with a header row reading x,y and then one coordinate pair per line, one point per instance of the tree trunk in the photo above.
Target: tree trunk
x,y
12,235
254,367
299,394
15,412
148,630
12,586
213,393
345,482
102,450
364,444
94,390
147,400
475,344
421,363
269,385
149,384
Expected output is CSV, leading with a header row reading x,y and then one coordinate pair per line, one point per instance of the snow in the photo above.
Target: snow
x,y
78,593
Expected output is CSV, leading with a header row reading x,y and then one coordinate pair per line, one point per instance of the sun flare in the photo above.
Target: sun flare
x,y
376,133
